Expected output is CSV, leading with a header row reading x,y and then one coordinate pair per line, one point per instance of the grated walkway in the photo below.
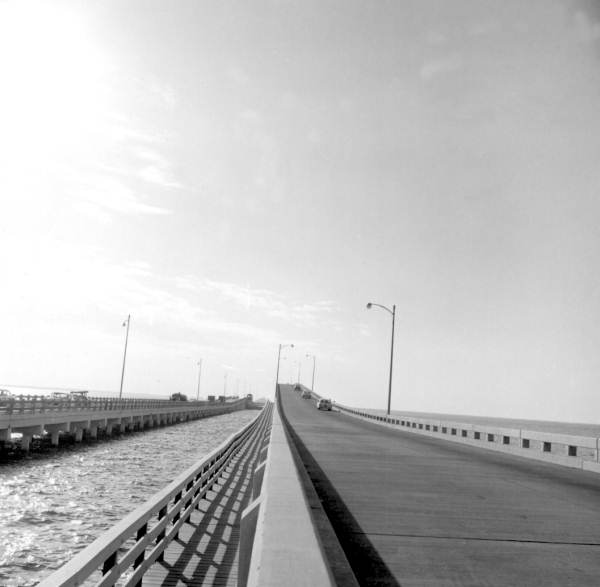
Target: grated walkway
x,y
206,551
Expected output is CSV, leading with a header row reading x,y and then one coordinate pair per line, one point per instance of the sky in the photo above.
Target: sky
x,y
239,175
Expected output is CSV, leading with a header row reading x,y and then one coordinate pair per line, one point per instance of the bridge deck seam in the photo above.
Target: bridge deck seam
x,y
478,539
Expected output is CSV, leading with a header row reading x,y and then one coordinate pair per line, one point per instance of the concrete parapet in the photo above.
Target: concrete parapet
x,y
270,552
257,479
580,452
247,536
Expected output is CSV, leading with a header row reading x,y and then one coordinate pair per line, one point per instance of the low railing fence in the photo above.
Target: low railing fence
x,y
39,404
564,449
123,554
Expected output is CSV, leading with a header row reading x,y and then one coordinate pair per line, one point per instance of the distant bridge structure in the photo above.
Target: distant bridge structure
x,y
34,415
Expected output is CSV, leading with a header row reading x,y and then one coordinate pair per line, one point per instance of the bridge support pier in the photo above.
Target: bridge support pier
x,y
28,433
95,425
78,428
25,442
111,424
54,431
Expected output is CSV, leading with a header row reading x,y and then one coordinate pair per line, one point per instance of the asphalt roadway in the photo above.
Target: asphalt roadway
x,y
417,511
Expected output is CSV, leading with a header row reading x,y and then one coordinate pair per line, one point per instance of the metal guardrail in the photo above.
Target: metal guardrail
x,y
124,553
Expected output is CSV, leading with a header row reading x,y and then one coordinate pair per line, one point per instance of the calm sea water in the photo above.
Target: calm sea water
x,y
53,505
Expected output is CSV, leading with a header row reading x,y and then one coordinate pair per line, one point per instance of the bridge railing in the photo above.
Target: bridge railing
x,y
124,553
38,404
582,452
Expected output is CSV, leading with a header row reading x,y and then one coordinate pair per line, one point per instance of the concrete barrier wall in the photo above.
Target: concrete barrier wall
x,y
278,540
580,452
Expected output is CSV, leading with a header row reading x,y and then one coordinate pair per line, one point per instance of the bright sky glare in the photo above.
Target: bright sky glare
x,y
236,176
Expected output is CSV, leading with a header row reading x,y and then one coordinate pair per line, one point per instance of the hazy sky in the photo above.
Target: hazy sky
x,y
242,174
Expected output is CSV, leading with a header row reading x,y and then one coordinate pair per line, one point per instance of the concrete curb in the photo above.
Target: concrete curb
x,y
279,544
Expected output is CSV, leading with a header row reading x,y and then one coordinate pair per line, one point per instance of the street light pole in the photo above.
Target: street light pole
x,y
281,346
199,375
312,388
393,313
124,354
391,358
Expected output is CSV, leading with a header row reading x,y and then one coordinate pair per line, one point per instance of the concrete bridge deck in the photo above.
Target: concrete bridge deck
x,y
417,511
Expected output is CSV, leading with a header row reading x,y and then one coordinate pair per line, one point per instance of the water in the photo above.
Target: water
x,y
52,506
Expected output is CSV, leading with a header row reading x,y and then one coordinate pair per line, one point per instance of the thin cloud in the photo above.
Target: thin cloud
x,y
437,67
165,93
238,76
482,28
110,194
364,330
156,168
435,38
157,302
268,302
157,176
587,30
272,304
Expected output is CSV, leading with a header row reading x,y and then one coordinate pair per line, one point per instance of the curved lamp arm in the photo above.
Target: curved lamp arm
x,y
371,304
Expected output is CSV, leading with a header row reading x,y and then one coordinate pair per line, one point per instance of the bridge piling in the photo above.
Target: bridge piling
x,y
26,442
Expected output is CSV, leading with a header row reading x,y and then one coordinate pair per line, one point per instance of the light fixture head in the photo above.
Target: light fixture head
x,y
369,305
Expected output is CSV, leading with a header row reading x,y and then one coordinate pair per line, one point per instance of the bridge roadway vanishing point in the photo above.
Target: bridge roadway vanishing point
x,y
416,511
